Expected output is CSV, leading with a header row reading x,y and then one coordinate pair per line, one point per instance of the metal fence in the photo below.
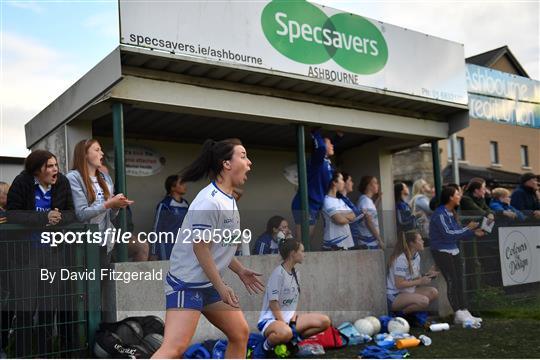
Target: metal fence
x,y
43,316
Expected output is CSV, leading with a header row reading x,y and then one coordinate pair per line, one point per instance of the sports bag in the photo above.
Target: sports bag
x,y
329,339
134,337
347,330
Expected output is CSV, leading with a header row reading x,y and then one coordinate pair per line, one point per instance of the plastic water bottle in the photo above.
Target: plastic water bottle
x,y
426,341
471,324
365,338
439,327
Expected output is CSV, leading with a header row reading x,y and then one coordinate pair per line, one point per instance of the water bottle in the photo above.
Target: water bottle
x,y
407,343
439,327
471,324
365,338
426,341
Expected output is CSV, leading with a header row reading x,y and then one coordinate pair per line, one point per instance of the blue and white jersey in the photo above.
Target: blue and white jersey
x,y
211,214
43,197
400,268
319,175
42,203
266,244
367,204
336,234
170,215
282,286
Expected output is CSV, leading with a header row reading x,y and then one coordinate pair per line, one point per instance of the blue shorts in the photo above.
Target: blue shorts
x,y
192,298
263,325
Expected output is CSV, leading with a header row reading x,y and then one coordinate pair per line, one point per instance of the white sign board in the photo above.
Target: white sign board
x,y
519,249
139,161
318,43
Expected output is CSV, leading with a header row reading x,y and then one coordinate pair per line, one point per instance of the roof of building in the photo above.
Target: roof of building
x,y
493,177
12,160
490,57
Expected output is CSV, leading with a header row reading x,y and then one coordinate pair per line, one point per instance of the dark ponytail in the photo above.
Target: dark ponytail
x,y
285,247
398,189
335,177
446,193
209,163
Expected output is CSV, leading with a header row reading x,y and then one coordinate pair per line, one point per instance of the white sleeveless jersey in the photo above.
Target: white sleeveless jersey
x,y
211,216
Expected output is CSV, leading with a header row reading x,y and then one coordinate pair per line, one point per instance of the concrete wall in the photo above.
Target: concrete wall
x,y
55,142
413,164
344,285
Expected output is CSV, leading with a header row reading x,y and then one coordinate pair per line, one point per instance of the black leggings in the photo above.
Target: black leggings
x,y
450,266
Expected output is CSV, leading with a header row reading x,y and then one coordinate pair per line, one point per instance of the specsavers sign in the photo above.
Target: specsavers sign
x,y
302,39
519,249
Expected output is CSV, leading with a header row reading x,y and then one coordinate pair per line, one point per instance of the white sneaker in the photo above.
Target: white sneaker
x,y
477,319
460,316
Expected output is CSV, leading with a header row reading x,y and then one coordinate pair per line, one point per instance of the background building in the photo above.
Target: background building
x,y
10,167
503,137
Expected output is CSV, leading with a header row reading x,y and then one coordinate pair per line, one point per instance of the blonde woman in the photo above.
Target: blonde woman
x,y
4,188
406,289
421,196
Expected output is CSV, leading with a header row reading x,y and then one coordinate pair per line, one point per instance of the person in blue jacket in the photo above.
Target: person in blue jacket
x,y
500,204
170,213
405,218
446,233
319,176
277,228
525,197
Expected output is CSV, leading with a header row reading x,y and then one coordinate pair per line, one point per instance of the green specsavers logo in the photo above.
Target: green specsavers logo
x,y
303,33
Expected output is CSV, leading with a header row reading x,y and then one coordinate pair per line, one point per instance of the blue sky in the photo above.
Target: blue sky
x,y
47,45
86,29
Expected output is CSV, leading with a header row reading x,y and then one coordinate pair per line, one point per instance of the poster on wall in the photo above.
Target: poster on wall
x,y
519,249
140,161
300,39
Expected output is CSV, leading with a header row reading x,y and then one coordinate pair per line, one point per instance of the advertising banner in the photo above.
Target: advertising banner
x,y
502,97
303,39
519,249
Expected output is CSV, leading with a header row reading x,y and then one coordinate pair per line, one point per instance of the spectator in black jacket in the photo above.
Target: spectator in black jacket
x,y
525,198
473,202
40,195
